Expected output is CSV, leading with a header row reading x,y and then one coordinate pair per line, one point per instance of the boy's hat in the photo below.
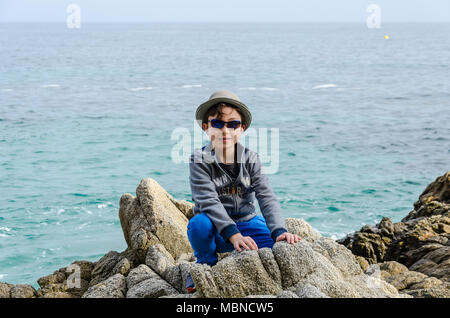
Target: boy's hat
x,y
223,96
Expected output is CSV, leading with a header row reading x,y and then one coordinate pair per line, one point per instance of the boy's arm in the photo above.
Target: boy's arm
x,y
270,207
205,195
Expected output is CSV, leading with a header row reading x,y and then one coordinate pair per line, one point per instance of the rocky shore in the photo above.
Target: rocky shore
x,y
406,259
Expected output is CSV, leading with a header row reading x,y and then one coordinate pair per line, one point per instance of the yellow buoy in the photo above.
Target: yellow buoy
x,y
386,37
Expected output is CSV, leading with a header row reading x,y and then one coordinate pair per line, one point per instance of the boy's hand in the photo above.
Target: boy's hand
x,y
245,241
288,237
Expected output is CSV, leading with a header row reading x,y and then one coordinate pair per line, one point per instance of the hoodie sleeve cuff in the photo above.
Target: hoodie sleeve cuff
x,y
229,231
277,233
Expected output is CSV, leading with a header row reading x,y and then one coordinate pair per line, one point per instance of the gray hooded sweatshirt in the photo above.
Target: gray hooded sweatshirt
x,y
225,202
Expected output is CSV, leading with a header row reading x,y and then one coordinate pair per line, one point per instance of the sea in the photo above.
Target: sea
x,y
356,121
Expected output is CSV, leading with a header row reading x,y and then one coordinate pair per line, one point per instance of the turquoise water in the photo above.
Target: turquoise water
x,y
86,114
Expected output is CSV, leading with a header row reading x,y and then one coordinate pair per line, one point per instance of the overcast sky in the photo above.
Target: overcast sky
x,y
225,11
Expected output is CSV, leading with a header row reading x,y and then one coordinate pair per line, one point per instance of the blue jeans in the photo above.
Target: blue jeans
x,y
206,241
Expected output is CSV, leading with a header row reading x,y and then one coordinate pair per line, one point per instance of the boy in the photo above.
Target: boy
x,y
225,177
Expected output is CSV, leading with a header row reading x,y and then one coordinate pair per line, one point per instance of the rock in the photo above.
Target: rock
x,y
114,287
238,275
162,262
309,291
270,264
392,268
302,229
5,290
405,279
159,259
186,257
58,295
151,288
143,282
427,283
122,267
330,270
362,262
287,294
113,263
139,274
425,266
368,245
340,257
23,291
187,208
194,295
153,217
433,292
184,269
438,191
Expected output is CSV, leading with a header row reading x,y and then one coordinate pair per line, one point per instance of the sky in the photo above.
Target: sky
x,y
225,11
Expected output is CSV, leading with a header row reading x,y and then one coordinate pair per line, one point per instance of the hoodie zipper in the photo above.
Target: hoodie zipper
x,y
233,191
233,195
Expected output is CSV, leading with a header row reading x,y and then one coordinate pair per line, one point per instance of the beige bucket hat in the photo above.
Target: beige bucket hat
x,y
223,96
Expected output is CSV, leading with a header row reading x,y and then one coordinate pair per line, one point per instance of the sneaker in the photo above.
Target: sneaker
x,y
190,288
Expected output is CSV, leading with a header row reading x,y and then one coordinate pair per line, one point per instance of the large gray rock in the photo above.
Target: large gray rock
x,y
113,287
332,272
23,291
238,275
162,262
139,274
151,288
5,290
153,217
159,259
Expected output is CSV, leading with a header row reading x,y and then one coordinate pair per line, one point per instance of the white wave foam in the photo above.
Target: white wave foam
x,y
192,85
4,228
51,86
3,235
136,89
7,90
3,276
324,86
82,226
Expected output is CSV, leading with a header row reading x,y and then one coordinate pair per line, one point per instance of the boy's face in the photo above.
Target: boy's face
x,y
224,138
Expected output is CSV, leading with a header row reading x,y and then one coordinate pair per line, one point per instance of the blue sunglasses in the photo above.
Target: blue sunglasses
x,y
217,123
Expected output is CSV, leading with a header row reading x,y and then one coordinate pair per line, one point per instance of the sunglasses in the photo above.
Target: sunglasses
x,y
217,123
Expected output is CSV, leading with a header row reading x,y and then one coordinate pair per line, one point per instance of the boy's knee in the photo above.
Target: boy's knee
x,y
200,225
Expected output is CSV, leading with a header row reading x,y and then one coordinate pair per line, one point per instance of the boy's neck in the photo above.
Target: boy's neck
x,y
226,155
